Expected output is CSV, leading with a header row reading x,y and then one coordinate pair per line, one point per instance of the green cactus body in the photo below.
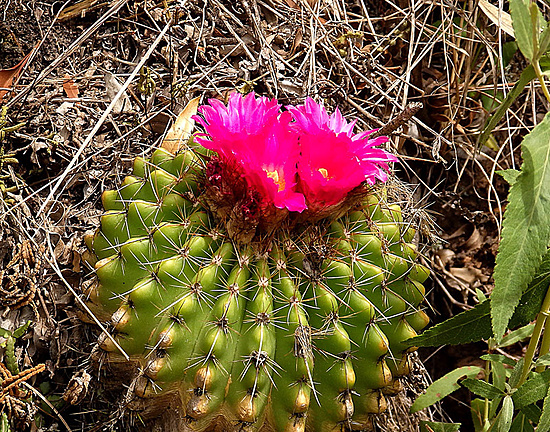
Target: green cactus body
x,y
302,330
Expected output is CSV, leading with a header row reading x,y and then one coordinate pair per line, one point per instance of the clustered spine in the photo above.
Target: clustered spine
x,y
300,327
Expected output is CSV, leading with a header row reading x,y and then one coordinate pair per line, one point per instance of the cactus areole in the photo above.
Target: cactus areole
x,y
259,274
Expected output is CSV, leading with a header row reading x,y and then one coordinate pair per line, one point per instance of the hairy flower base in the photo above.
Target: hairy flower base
x,y
240,208
352,200
272,165
251,136
248,218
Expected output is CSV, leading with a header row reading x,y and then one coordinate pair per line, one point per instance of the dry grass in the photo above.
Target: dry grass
x,y
369,58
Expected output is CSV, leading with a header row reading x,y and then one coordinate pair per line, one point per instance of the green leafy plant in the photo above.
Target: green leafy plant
x,y
533,38
15,402
510,395
9,345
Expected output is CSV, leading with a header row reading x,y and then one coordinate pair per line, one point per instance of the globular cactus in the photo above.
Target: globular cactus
x,y
281,304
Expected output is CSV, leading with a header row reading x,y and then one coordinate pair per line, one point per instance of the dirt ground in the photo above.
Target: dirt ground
x,y
368,58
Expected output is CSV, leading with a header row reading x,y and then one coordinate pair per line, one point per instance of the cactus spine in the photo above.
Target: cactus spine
x,y
301,329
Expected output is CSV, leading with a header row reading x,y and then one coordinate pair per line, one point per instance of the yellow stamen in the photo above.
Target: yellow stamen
x,y
324,172
278,181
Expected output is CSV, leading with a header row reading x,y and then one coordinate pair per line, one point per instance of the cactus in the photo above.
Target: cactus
x,y
290,314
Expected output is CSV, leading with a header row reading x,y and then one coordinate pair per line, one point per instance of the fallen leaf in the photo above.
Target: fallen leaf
x,y
8,75
182,127
445,256
77,10
292,4
501,19
71,89
460,231
469,275
475,241
39,151
112,87
64,108
77,389
296,42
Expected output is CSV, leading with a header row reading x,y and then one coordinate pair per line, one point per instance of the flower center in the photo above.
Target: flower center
x,y
279,181
324,173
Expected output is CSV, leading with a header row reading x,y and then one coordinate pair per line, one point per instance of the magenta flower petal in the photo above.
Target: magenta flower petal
x,y
333,159
250,133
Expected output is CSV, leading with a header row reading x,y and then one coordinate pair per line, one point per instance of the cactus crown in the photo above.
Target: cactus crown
x,y
267,283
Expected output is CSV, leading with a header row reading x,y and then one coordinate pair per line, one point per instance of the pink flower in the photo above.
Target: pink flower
x,y
252,135
333,159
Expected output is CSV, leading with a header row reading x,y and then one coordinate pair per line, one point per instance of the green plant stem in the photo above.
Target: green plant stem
x,y
534,11
545,344
540,77
486,404
534,342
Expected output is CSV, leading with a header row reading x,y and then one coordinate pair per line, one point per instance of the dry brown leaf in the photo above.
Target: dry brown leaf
x,y
460,231
77,10
8,75
501,19
469,275
445,256
475,241
296,42
112,87
291,3
71,89
77,389
181,129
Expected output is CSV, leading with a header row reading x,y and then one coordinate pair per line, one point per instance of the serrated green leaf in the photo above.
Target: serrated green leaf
x,y
544,40
525,78
544,422
516,373
481,297
517,335
531,300
506,415
532,390
510,175
521,21
526,227
498,372
470,326
428,426
444,386
481,388
475,324
538,21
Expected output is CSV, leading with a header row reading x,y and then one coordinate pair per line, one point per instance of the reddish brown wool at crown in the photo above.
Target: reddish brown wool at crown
x,y
258,284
